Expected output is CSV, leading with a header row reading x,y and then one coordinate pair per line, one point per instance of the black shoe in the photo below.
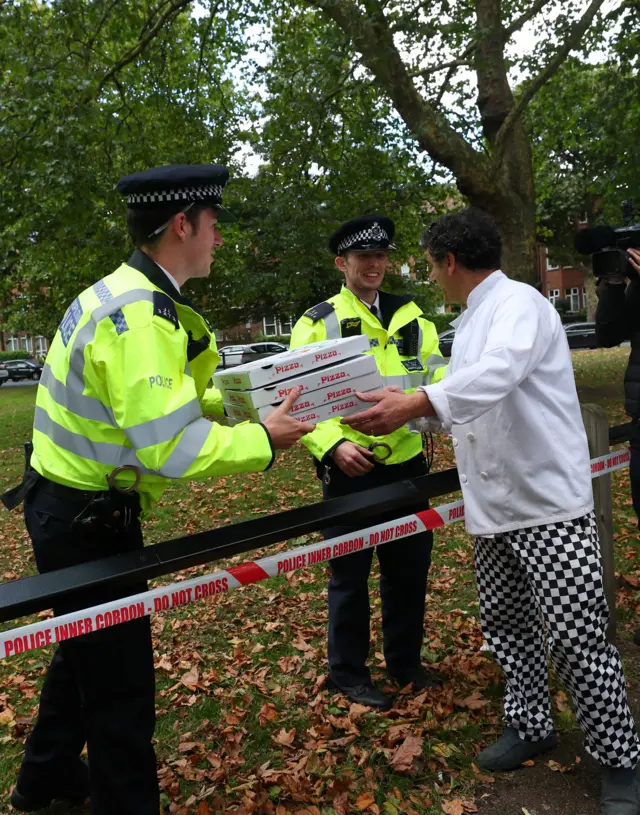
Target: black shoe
x,y
620,792
75,793
365,694
510,751
420,679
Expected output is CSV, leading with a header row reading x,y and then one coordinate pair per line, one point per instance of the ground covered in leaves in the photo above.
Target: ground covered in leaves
x,y
245,721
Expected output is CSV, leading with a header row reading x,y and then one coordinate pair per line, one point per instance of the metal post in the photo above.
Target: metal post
x,y
596,425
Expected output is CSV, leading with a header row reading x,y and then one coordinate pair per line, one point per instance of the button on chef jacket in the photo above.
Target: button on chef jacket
x,y
509,400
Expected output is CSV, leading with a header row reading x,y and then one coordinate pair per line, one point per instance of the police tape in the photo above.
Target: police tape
x,y
77,623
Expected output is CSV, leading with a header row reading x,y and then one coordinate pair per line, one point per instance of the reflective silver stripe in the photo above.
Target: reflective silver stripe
x,y
71,395
187,450
420,338
405,381
332,326
164,428
87,407
99,451
434,362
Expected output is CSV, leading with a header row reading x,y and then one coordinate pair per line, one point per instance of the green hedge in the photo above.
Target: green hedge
x,y
442,322
283,338
5,355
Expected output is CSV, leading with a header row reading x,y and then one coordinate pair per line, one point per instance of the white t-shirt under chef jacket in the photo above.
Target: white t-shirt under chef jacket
x,y
509,400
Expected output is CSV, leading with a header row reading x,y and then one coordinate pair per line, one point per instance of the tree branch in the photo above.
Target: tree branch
x,y
455,63
168,16
373,39
573,38
517,24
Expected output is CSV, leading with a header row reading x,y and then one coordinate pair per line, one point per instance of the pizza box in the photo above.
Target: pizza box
x,y
311,400
330,378
272,369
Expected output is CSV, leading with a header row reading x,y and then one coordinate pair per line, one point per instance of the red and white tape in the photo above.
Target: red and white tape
x,y
85,621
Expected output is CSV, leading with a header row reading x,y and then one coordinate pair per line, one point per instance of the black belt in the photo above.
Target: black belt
x,y
66,493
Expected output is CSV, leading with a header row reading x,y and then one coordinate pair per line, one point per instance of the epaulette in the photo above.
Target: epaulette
x,y
164,307
320,311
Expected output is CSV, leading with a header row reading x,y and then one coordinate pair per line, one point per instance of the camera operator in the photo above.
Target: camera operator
x,y
617,320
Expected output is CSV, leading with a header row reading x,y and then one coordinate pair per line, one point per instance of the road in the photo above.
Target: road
x,y
9,384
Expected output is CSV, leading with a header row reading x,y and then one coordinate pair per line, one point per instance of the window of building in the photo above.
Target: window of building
x,y
26,344
273,326
269,326
584,297
554,295
13,343
573,296
405,271
41,345
550,265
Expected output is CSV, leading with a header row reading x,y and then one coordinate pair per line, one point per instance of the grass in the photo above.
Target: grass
x,y
245,723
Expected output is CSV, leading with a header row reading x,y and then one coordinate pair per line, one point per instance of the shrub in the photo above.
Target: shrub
x,y
5,355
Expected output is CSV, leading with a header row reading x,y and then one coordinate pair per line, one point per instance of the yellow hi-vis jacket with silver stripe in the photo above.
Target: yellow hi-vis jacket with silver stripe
x,y
126,382
405,345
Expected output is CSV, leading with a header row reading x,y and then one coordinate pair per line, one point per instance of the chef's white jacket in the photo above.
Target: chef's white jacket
x,y
509,400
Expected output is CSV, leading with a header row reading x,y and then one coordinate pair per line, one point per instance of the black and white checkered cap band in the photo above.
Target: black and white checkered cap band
x,y
372,233
209,192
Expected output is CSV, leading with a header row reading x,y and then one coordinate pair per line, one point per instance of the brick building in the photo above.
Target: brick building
x,y
561,282
36,346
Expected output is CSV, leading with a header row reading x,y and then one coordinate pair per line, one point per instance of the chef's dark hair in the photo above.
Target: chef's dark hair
x,y
471,236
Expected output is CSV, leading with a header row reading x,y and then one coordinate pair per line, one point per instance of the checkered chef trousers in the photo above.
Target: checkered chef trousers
x,y
554,572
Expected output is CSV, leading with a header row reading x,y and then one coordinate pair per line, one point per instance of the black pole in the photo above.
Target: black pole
x,y
33,594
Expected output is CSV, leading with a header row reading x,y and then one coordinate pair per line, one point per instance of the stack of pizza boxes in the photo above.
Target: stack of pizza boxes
x,y
329,372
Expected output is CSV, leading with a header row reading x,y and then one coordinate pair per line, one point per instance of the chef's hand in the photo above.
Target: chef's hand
x,y
391,411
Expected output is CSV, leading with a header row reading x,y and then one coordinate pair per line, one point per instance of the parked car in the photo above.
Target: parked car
x,y
445,340
4,374
230,355
22,369
260,350
581,335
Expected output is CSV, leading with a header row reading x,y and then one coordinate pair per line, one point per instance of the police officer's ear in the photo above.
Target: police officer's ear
x,y
341,263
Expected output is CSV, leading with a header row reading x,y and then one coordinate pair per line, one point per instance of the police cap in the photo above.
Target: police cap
x,y
364,234
182,184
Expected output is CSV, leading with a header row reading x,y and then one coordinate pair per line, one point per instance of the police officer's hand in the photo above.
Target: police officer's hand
x,y
284,430
634,258
353,459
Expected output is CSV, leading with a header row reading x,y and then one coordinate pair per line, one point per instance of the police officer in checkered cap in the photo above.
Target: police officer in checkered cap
x,y
405,346
126,384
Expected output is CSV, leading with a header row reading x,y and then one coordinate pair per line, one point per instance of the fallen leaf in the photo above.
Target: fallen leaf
x,y
204,809
7,716
528,763
455,807
191,677
405,754
285,737
364,801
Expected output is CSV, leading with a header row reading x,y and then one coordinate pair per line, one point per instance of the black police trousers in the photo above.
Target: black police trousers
x,y
100,687
404,567
634,473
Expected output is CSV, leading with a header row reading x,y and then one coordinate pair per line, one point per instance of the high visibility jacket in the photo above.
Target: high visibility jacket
x,y
405,345
126,382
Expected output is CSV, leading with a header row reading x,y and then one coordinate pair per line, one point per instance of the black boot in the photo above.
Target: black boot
x,y
510,751
75,790
620,792
365,694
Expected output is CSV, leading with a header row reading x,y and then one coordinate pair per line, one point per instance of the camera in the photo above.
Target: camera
x,y
608,245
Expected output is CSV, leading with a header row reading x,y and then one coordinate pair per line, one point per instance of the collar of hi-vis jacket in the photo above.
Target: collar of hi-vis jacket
x,y
392,319
140,261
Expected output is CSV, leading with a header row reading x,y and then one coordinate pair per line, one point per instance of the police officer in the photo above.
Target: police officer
x,y
405,346
119,414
